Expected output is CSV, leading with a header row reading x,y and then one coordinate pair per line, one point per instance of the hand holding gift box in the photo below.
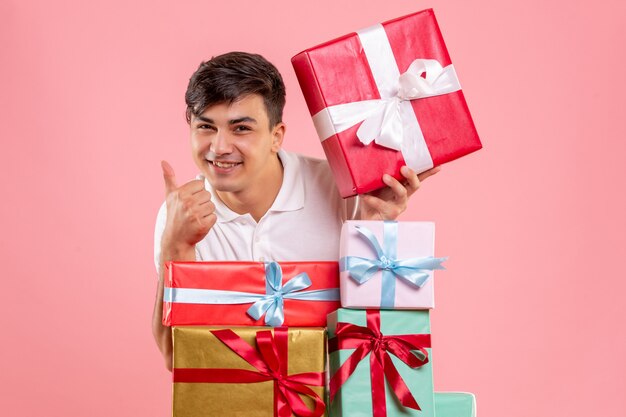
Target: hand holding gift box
x,y
250,293
392,84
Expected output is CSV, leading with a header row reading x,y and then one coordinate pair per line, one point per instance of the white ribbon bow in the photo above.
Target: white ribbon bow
x,y
383,118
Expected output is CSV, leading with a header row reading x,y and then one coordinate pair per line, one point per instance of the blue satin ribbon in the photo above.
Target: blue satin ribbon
x,y
271,303
412,270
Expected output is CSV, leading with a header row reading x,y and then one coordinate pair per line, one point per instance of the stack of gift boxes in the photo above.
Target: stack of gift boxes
x,y
347,338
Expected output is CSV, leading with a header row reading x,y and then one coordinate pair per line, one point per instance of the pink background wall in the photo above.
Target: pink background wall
x,y
530,314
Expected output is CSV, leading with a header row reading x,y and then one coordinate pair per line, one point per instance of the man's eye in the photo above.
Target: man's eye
x,y
242,128
205,126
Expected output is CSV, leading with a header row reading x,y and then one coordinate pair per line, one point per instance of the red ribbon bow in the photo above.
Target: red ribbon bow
x,y
370,339
271,364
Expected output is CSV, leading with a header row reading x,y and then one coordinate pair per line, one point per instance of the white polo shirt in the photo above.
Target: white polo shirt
x,y
303,224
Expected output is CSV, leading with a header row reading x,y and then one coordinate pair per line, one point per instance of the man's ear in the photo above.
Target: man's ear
x,y
278,133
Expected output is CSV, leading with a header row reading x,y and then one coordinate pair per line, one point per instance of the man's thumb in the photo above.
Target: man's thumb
x,y
168,177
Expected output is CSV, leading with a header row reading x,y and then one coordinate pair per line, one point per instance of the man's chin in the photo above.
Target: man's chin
x,y
223,187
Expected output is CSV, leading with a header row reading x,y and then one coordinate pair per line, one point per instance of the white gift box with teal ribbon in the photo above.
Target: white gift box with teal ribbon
x,y
388,265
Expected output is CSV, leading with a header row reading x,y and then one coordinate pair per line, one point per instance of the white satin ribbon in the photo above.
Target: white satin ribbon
x,y
390,120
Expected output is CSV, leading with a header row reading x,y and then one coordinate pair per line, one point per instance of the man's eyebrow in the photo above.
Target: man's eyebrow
x,y
245,119
205,119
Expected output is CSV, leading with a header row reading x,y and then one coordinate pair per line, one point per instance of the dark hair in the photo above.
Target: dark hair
x,y
232,76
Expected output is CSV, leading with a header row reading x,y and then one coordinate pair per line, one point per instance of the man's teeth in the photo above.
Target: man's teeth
x,y
225,164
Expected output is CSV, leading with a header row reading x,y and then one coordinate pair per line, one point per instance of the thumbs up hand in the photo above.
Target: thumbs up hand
x,y
190,213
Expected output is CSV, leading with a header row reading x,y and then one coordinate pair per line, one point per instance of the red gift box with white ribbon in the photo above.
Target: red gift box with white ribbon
x,y
384,97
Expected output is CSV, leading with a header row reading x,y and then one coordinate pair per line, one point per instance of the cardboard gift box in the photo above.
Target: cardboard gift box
x,y
380,363
455,404
392,84
248,371
388,264
250,293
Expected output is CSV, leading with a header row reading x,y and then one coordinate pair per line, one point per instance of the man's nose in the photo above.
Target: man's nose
x,y
221,143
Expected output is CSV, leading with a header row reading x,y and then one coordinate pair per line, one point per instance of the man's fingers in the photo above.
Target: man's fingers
x,y
412,182
203,198
199,185
168,177
428,173
206,208
210,220
373,204
193,187
398,189
203,207
207,221
384,209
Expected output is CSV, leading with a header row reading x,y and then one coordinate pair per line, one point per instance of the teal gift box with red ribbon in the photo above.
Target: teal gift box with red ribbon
x,y
380,363
455,404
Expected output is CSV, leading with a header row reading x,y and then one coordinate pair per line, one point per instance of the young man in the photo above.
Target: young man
x,y
255,201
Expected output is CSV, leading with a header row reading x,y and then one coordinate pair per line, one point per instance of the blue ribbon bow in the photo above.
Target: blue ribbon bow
x,y
412,270
271,303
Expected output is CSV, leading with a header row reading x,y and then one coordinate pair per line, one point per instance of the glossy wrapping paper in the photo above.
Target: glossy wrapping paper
x,y
196,347
414,240
455,404
355,397
338,72
249,277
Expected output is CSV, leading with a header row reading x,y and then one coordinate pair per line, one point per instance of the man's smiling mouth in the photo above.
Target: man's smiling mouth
x,y
223,164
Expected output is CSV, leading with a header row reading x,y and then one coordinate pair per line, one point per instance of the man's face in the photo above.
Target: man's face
x,y
233,145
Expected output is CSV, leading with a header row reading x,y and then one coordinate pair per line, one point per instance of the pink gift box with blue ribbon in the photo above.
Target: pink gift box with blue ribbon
x,y
388,265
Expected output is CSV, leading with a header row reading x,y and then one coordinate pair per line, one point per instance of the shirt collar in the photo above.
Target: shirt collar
x,y
290,196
